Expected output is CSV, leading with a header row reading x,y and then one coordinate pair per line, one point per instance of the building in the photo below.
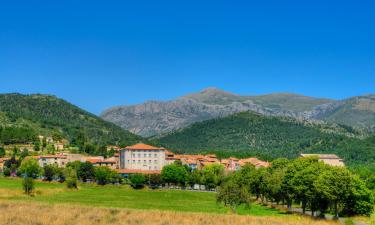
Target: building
x,y
142,157
100,161
254,161
231,164
329,159
58,160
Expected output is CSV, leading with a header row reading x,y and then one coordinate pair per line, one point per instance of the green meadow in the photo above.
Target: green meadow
x,y
124,196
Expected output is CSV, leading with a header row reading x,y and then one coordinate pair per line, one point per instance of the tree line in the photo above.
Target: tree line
x,y
307,182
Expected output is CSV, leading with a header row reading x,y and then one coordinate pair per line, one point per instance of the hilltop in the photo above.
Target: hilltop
x,y
23,117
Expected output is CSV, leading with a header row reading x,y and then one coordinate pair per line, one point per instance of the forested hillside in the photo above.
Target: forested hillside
x,y
23,117
246,134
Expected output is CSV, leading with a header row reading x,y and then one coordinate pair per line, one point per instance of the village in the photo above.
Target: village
x,y
146,159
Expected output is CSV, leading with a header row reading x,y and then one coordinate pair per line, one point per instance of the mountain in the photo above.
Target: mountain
x,y
156,117
23,117
357,112
248,134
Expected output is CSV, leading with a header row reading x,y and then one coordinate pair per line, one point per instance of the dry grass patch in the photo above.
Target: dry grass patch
x,y
31,213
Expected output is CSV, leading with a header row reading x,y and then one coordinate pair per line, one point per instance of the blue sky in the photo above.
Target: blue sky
x,y
97,54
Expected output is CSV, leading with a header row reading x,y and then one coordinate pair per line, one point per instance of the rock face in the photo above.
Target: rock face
x,y
156,117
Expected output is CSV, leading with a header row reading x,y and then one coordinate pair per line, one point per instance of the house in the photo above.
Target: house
x,y
58,160
329,159
70,157
254,161
100,161
58,146
231,164
142,157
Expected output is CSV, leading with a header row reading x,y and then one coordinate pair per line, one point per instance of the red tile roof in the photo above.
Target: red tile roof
x,y
141,146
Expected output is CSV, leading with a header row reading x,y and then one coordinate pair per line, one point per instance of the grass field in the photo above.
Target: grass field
x,y
92,204
125,197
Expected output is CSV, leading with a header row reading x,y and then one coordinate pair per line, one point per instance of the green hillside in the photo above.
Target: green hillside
x,y
248,134
23,117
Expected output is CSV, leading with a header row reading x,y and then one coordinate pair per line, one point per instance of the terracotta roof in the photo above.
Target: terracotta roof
x,y
141,146
128,171
97,160
256,162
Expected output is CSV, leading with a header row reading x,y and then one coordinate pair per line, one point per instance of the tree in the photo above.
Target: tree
x,y
175,174
86,171
155,180
12,164
213,175
28,185
103,175
2,151
195,177
71,178
37,146
334,184
24,154
360,200
232,194
49,172
30,168
137,180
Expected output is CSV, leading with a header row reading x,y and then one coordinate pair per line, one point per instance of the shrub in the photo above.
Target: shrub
x,y
28,185
137,181
71,178
6,171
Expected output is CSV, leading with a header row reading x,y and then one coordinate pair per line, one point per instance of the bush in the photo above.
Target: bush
x,y
137,180
6,171
49,172
71,178
28,185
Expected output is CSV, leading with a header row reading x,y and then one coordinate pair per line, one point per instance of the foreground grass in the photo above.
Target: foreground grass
x,y
125,197
30,213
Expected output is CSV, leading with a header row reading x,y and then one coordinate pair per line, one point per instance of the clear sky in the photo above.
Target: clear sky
x,y
97,54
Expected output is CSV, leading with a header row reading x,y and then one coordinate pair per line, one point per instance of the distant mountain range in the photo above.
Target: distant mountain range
x,y
23,117
157,117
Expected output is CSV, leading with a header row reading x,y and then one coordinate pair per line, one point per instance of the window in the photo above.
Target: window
x,y
145,155
155,161
149,161
149,155
155,167
133,154
156,155
133,161
139,155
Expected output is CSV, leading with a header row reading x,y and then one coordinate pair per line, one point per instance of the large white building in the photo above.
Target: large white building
x,y
142,157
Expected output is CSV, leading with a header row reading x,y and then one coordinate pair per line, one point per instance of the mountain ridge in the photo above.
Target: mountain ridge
x,y
156,117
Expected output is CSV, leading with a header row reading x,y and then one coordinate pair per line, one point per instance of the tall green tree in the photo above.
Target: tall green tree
x,y
335,184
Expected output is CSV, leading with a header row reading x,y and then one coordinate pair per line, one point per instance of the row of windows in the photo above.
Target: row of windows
x,y
144,161
145,155
136,151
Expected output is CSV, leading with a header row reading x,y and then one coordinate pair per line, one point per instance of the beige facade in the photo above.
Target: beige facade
x,y
142,157
329,159
58,160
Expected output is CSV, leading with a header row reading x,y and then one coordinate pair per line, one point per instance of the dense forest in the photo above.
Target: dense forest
x,y
23,117
250,134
